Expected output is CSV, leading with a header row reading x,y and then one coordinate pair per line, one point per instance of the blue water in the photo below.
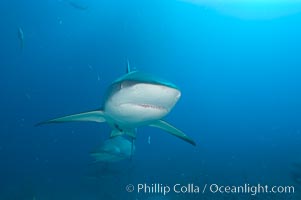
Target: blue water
x,y
239,78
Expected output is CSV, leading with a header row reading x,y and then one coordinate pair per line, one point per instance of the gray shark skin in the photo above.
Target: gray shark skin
x,y
134,100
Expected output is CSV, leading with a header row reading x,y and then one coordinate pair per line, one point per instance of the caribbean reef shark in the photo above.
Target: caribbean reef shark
x,y
134,100
21,37
77,5
113,149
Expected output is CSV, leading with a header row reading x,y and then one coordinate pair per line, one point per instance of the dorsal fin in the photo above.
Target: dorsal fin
x,y
128,69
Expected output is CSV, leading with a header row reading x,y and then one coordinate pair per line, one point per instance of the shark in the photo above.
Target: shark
x,y
21,37
78,6
113,149
133,100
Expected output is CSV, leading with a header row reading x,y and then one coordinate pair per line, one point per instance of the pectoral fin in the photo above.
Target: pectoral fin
x,y
91,116
172,130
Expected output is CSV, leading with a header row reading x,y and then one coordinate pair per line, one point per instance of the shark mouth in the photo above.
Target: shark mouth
x,y
148,106
151,106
